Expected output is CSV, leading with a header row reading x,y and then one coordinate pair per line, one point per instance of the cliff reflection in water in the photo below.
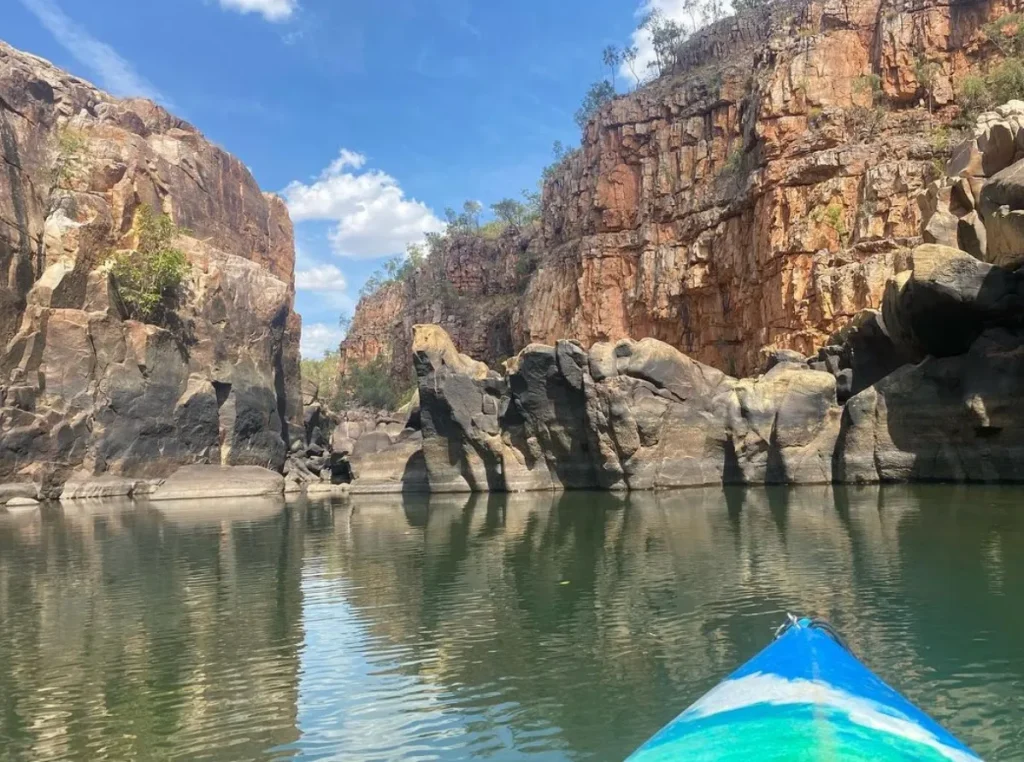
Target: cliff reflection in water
x,y
133,635
547,627
573,626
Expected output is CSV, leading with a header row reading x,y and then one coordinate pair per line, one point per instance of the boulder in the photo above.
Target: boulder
x,y
1005,188
1001,205
941,228
961,199
947,300
972,236
967,160
80,487
459,403
1004,234
21,502
782,427
18,489
946,419
398,468
774,356
191,482
546,413
998,146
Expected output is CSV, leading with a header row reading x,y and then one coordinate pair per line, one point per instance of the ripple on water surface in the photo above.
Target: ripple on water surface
x,y
536,627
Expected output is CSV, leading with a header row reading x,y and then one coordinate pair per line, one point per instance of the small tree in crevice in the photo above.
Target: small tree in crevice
x,y
149,278
69,150
927,74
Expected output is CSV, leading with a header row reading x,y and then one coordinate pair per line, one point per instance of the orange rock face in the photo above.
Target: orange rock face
x,y
757,199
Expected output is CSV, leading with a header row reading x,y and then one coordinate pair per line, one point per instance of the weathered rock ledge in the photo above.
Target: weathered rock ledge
x,y
642,415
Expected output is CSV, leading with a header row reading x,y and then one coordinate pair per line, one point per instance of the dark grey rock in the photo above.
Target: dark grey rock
x,y
948,300
972,236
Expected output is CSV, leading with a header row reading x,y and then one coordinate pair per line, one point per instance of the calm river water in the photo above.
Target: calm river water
x,y
538,627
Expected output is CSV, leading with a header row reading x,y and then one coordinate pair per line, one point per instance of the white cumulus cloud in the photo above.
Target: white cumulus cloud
x,y
671,10
321,278
112,71
372,216
271,10
318,338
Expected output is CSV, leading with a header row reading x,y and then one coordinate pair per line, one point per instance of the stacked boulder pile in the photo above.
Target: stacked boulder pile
x,y
323,457
924,388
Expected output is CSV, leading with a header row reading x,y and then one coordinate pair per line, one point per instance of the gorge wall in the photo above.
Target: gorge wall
x,y
756,198
923,389
84,390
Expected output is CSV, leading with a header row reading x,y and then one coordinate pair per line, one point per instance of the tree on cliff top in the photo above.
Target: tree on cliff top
x,y
612,58
599,94
666,36
149,278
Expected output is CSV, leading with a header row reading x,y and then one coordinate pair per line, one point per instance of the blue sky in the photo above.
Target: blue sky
x,y
369,117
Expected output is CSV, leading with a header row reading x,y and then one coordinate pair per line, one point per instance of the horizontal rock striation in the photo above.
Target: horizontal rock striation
x,y
85,391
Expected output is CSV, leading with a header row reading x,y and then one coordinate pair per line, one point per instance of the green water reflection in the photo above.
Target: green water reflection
x,y
539,627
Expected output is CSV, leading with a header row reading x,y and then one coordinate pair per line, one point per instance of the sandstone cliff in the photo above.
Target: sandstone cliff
x,y
85,391
924,389
754,199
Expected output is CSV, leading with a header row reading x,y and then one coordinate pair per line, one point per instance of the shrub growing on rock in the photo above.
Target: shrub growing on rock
x,y
68,155
599,94
372,384
150,277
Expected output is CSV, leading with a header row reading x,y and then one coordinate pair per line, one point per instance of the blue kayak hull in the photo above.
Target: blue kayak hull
x,y
804,697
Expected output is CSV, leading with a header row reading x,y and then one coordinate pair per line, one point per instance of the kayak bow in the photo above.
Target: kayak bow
x,y
804,697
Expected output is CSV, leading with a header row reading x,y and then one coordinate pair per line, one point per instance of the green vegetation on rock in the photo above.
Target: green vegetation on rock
x,y
1001,81
323,372
373,384
150,277
599,94
69,152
